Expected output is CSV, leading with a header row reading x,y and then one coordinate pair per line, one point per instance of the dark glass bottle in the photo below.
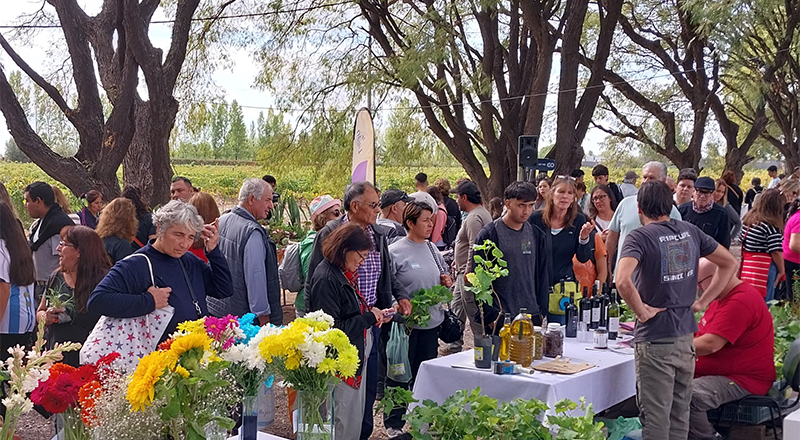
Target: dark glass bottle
x,y
594,324
572,317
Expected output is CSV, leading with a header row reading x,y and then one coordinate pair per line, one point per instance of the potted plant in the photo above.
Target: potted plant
x,y
489,266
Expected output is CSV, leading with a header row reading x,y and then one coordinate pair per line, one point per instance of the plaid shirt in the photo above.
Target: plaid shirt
x,y
369,273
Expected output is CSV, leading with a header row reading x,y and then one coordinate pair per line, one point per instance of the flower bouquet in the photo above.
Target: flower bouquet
x,y
311,356
185,380
68,393
23,377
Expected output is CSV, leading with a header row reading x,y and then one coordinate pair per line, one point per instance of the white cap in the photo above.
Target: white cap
x,y
553,326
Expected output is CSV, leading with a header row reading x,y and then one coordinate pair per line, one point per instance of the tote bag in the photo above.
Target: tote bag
x,y
132,338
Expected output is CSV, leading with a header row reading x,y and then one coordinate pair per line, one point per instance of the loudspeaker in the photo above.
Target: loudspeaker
x,y
528,150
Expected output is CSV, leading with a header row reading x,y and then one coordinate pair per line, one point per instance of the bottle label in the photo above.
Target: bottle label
x,y
587,316
613,325
596,314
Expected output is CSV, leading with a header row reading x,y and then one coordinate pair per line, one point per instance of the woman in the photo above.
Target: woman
x,y
602,208
791,191
584,198
721,198
543,186
182,281
333,289
567,234
146,230
735,194
323,209
90,212
762,248
417,265
117,228
440,220
17,277
207,208
791,249
82,263
63,202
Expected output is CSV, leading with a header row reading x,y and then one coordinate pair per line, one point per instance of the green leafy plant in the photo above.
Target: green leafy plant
x,y
422,300
786,320
469,415
488,268
57,300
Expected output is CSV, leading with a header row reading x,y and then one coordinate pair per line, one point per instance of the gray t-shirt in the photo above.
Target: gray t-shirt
x,y
668,255
470,228
415,268
45,259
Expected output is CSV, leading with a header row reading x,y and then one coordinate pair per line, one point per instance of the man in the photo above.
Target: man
x,y
463,305
451,205
773,174
271,180
393,202
735,346
376,281
600,174
522,245
628,187
181,189
577,174
252,257
707,215
685,187
753,192
421,182
44,239
626,217
657,278
671,184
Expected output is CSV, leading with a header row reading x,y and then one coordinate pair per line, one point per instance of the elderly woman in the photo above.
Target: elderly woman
x,y
117,228
82,263
334,290
182,280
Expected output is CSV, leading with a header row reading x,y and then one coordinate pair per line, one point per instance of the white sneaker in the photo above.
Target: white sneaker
x,y
393,432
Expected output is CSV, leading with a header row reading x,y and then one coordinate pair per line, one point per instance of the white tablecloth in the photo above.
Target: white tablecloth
x,y
261,436
791,426
610,382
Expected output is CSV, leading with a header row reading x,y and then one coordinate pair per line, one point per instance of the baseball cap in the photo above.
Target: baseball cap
x,y
705,183
466,187
392,196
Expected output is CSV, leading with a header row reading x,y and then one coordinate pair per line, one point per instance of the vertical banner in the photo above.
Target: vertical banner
x,y
363,148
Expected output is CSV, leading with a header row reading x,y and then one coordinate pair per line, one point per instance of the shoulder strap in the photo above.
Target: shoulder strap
x,y
435,260
191,290
149,266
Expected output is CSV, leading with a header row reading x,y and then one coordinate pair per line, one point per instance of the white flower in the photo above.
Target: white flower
x,y
18,401
313,352
319,315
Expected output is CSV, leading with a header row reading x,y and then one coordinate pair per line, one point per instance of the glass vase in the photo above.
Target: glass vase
x,y
249,429
314,415
69,426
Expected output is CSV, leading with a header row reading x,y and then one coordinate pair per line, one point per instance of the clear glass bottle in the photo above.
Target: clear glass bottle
x,y
554,341
505,338
538,343
521,340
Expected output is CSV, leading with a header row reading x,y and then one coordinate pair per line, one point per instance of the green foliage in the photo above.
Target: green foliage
x,y
786,320
489,266
14,154
580,427
395,397
422,300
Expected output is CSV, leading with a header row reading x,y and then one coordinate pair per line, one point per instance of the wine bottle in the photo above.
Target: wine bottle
x,y
594,324
586,308
613,316
604,301
571,313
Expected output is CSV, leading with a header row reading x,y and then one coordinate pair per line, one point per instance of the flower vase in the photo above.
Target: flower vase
x,y
249,429
314,414
69,426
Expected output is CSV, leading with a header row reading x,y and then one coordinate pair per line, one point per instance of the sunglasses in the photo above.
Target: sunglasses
x,y
562,177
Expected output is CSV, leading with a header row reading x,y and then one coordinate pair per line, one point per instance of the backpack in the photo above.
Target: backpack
x,y
290,270
450,231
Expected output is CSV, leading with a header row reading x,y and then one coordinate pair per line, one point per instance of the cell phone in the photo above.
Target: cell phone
x,y
389,312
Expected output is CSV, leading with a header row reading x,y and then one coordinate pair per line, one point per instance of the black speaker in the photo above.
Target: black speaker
x,y
528,150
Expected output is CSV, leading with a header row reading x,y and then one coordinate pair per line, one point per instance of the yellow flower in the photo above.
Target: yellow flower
x,y
182,371
196,326
327,366
141,390
316,325
185,343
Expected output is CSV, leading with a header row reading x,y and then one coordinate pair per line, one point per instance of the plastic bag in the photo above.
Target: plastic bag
x,y
398,367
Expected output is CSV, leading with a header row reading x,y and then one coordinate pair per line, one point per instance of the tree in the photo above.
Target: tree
x,y
236,144
219,128
137,130
13,153
407,141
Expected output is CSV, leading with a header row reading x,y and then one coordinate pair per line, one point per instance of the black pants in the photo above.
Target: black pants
x,y
423,345
371,383
792,270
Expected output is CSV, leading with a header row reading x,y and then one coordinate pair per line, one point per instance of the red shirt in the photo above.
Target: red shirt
x,y
200,252
742,318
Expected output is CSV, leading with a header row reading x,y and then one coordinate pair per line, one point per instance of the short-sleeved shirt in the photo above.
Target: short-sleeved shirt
x,y
20,315
762,238
742,318
792,227
626,219
470,227
666,276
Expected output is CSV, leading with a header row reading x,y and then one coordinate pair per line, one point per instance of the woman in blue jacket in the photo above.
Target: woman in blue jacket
x,y
182,280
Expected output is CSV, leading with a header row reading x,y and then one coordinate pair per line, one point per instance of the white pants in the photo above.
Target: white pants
x,y
348,402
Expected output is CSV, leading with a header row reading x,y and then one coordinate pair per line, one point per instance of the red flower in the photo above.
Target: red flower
x,y
56,395
84,374
106,360
164,346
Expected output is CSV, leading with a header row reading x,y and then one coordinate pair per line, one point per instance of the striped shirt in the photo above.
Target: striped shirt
x,y
20,315
762,238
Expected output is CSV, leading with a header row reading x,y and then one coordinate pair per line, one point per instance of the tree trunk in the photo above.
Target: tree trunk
x,y
147,163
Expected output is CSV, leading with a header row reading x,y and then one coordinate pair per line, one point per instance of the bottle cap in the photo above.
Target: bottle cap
x,y
537,328
553,326
523,310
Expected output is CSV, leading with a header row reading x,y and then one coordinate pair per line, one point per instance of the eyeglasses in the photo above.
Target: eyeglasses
x,y
372,205
704,193
65,244
362,256
600,197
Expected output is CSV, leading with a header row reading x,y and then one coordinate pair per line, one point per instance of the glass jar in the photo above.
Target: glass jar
x,y
538,343
554,340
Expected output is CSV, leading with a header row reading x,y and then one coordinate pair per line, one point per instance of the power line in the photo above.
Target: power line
x,y
221,17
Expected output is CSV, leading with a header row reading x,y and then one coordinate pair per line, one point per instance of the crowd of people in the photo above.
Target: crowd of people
x,y
369,252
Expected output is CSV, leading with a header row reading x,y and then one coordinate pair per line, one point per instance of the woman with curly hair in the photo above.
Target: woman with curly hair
x,y
117,228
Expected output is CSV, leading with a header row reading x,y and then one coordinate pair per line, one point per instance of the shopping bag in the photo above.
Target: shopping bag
x,y
558,300
132,338
398,367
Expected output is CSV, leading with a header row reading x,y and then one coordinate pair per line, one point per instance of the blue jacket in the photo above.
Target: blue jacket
x,y
123,292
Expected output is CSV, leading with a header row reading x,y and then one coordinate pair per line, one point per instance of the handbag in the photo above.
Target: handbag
x,y
132,338
450,330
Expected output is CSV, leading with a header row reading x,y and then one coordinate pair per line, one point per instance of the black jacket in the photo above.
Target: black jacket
x,y
387,284
329,291
563,247
714,223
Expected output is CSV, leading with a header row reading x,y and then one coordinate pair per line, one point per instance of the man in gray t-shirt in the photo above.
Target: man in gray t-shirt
x,y
657,278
